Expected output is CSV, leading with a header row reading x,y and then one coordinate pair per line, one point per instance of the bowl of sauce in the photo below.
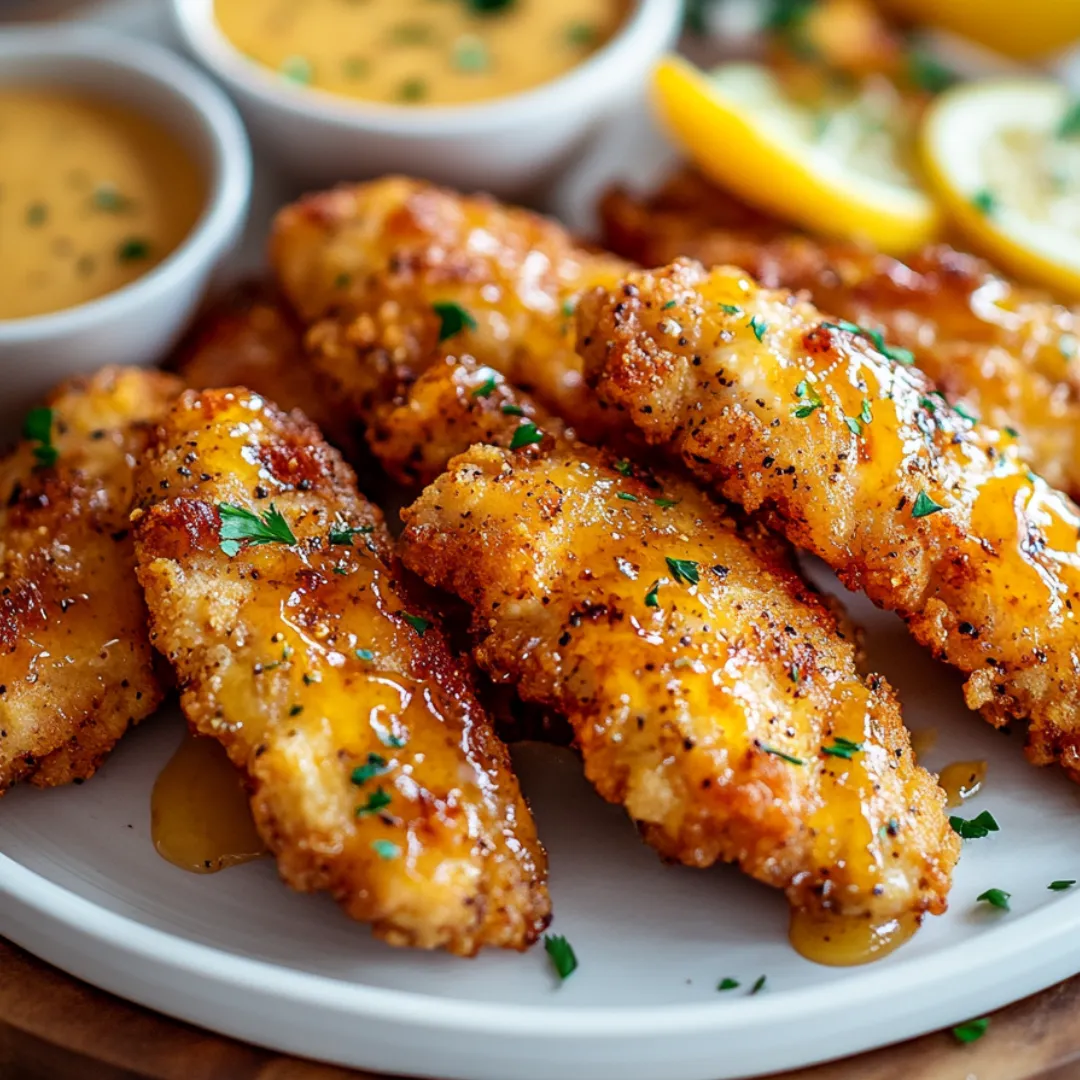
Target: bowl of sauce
x,y
490,94
124,180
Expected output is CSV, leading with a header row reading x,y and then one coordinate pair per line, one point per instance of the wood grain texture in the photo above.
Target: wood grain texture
x,y
53,1027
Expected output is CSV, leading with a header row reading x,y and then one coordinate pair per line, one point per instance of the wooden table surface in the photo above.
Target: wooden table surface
x,y
53,1027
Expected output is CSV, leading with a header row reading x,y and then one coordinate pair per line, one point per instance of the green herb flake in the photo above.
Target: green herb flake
x,y
924,506
342,535
790,758
899,355
512,410
971,1030
686,571
296,710
365,654
975,828
107,198
525,435
36,214
378,800
297,69
38,427
133,249
966,413
626,496
759,985
386,849
927,72
853,425
807,393
1061,886
668,306
470,54
453,318
342,281
731,309
866,416
727,984
240,525
1070,122
759,326
995,898
420,625
624,468
568,307
561,954
842,748
412,90
488,7
985,201
374,766
665,504
581,34
651,597
486,388
1012,432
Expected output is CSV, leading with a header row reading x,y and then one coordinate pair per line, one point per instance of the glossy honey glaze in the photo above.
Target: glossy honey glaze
x,y
844,941
199,814
416,52
962,779
92,196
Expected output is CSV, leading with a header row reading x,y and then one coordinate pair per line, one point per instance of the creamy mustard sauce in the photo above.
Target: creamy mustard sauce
x,y
92,196
417,52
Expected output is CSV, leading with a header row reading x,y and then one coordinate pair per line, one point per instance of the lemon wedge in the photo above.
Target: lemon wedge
x,y
838,171
1003,156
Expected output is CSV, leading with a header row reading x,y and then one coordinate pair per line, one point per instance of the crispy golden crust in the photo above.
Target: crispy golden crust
x,y
365,263
1004,351
311,660
853,457
251,338
76,666
682,693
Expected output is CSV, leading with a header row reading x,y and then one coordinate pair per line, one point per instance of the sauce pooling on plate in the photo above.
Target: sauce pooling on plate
x,y
420,52
92,196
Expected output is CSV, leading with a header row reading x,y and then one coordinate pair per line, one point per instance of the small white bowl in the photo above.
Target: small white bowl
x,y
139,322
506,146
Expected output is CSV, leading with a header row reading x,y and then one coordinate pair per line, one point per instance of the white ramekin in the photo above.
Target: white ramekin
x,y
507,146
139,322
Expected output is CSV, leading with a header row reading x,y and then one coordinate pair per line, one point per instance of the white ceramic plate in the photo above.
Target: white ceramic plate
x,y
81,886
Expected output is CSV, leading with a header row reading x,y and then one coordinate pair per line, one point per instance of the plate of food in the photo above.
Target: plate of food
x,y
634,641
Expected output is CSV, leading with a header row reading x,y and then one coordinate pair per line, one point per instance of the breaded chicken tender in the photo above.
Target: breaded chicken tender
x,y
386,272
373,770
856,458
709,690
1005,353
76,664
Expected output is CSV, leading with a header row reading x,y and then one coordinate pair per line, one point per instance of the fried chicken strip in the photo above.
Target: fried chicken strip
x,y
709,689
374,771
76,665
1003,351
854,458
386,271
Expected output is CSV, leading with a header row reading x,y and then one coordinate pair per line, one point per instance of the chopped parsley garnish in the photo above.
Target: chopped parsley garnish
x,y
1061,886
877,339
759,984
971,1030
727,984
342,535
582,34
568,307
1070,122
527,434
985,201
966,413
666,504
561,954
842,748
686,571
668,306
1012,432
365,654
865,415
453,318
975,828
374,766
626,496
790,758
342,281
731,309
924,506
37,427
412,90
995,898
36,213
651,598
470,53
853,424
623,467
107,198
512,410
928,73
488,7
378,800
420,625
239,525
297,69
486,388
340,571
759,326
133,249
807,393
385,849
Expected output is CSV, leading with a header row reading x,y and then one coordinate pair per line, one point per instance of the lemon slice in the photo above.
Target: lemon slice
x,y
1004,157
837,171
